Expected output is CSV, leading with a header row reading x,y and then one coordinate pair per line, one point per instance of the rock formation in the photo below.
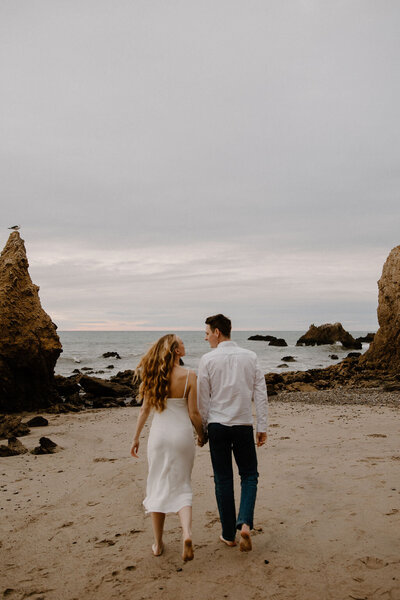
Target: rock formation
x,y
384,351
328,334
29,344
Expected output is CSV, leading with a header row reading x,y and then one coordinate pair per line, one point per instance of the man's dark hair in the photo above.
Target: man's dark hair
x,y
220,322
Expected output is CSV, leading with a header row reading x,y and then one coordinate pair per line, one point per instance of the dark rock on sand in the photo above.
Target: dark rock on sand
x,y
110,354
17,446
103,388
278,342
13,448
288,359
67,386
328,334
38,422
12,426
29,344
47,446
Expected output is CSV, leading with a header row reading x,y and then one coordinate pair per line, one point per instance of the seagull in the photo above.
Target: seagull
x,y
15,227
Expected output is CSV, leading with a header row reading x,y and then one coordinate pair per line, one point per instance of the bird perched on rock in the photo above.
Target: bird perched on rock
x,y
15,227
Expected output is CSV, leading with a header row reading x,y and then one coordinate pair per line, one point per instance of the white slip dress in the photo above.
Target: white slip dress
x,y
170,455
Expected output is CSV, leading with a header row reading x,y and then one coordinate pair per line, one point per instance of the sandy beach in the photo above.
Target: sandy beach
x,y
326,524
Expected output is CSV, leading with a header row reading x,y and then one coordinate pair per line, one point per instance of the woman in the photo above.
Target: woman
x,y
172,391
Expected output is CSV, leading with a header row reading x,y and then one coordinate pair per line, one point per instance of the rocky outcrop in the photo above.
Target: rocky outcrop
x,y
384,351
328,334
12,426
29,344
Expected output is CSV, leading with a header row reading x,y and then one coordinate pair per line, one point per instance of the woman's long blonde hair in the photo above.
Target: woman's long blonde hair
x,y
155,370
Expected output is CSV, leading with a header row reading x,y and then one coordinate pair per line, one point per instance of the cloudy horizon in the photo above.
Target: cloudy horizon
x,y
167,161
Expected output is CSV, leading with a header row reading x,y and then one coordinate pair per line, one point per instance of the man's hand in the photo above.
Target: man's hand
x,y
261,438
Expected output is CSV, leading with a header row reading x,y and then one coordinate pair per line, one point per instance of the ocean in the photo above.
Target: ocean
x,y
85,349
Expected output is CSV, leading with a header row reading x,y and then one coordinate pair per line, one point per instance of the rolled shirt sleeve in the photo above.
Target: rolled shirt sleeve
x,y
203,392
260,398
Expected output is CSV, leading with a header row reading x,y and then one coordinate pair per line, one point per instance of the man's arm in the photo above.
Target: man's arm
x,y
261,404
203,392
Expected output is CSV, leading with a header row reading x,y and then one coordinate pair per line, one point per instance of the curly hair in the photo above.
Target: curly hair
x,y
155,369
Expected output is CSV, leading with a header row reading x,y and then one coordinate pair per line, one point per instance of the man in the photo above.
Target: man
x,y
228,380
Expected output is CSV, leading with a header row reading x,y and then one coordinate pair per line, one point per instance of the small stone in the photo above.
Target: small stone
x,y
266,562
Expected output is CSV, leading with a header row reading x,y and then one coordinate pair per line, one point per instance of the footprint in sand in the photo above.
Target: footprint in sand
x,y
372,562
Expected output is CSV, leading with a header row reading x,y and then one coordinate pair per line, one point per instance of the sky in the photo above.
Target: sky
x,y
171,160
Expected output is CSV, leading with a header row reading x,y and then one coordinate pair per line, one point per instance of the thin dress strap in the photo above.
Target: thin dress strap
x,y
187,377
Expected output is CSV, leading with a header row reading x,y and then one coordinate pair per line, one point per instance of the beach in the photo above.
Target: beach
x,y
326,522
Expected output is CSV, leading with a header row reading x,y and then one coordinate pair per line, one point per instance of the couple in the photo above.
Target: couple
x,y
218,405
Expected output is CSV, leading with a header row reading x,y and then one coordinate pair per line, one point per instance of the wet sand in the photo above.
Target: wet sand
x,y
326,523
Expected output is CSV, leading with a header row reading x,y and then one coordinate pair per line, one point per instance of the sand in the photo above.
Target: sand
x,y
326,523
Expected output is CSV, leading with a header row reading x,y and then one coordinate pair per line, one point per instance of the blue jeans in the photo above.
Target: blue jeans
x,y
239,439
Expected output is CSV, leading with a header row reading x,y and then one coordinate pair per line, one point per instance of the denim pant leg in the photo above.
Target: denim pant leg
x,y
246,459
220,441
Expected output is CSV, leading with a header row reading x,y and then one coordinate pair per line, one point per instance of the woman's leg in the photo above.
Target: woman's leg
x,y
185,515
157,520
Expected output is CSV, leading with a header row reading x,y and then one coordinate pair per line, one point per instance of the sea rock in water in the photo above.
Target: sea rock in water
x,y
384,351
262,338
288,359
111,354
366,338
29,344
280,342
328,334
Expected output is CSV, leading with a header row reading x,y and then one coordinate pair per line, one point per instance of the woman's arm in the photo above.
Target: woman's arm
x,y
193,410
141,420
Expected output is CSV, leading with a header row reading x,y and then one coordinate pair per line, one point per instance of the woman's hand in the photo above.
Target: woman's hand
x,y
135,448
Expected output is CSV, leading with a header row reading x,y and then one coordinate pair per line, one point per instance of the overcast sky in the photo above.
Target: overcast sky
x,y
168,160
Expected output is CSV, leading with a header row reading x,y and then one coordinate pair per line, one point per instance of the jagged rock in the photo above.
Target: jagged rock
x,y
29,344
12,426
328,334
47,446
6,451
15,445
67,386
111,354
38,422
288,359
101,388
262,338
366,338
278,342
384,351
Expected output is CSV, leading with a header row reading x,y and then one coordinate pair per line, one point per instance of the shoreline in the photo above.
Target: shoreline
x,y
326,514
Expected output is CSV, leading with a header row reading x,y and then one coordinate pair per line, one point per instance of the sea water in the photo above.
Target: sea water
x,y
86,349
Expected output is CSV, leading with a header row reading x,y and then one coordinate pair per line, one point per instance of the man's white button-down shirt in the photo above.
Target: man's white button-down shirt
x,y
229,378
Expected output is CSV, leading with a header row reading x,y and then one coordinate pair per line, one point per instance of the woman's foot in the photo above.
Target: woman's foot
x,y
245,539
227,542
188,553
157,549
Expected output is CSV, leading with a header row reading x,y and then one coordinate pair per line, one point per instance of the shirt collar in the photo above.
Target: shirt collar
x,y
228,343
